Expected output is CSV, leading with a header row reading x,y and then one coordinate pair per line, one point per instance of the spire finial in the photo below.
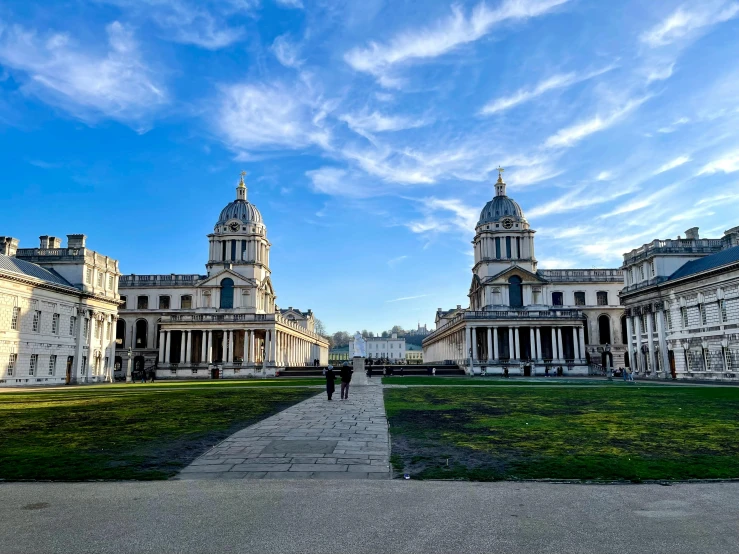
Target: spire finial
x,y
500,174
241,189
241,182
500,185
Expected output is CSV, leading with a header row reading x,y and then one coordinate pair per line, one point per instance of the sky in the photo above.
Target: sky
x,y
370,132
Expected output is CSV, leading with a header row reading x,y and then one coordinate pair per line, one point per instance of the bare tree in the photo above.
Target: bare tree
x,y
320,328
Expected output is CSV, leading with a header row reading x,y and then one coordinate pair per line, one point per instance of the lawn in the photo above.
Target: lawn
x,y
630,433
514,381
143,431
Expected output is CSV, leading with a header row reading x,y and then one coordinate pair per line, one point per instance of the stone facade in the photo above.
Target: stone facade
x,y
682,307
58,312
524,319
222,324
391,348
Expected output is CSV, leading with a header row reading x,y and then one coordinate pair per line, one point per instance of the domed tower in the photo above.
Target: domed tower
x,y
239,239
503,238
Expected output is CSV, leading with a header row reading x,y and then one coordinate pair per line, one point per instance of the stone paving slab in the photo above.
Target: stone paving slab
x,y
315,439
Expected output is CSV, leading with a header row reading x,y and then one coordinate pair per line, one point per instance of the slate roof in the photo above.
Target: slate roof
x,y
724,257
21,267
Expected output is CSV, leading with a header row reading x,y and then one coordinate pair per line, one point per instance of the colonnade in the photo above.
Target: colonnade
x,y
246,346
656,356
486,343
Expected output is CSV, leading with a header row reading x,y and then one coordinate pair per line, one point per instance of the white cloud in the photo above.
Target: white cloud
x,y
672,164
395,261
557,81
672,128
116,83
685,20
296,4
286,52
728,164
580,197
376,122
403,298
336,181
445,36
643,202
556,263
604,176
444,215
533,174
270,116
569,136
660,73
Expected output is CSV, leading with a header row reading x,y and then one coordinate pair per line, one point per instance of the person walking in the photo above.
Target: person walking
x,y
369,372
346,377
631,375
624,373
330,378
153,374
143,376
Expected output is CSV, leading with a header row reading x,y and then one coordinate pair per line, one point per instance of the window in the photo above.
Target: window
x,y
110,282
86,329
497,248
227,293
14,320
702,313
722,309
643,324
141,333
684,317
604,329
164,302
641,272
101,276
508,247
557,299
142,303
33,362
668,316
36,320
55,324
123,302
515,292
120,333
88,275
52,365
518,247
106,362
12,360
186,302
601,298
651,269
98,325
72,323
83,370
579,299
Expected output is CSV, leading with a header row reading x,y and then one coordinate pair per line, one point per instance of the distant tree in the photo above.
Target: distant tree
x,y
365,333
321,328
371,334
398,329
340,338
385,334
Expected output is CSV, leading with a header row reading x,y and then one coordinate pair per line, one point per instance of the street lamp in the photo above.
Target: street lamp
x,y
609,363
128,367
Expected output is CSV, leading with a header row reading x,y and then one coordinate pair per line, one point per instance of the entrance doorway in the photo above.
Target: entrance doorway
x,y
215,373
527,370
70,363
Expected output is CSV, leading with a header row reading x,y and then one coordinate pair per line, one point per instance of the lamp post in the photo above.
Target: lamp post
x,y
128,367
609,363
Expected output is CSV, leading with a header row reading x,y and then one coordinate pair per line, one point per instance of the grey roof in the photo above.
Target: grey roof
x,y
724,257
21,267
240,209
498,208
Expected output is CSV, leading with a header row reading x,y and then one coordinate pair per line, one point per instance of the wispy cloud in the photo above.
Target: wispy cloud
x,y
672,164
443,215
298,4
673,127
375,122
117,83
575,199
403,298
729,163
286,52
569,136
660,73
457,29
395,261
561,80
336,181
688,19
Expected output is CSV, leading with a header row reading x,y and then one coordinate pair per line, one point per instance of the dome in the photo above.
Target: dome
x,y
499,208
242,210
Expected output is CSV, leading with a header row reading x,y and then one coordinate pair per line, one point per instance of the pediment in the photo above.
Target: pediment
x,y
526,276
267,285
215,280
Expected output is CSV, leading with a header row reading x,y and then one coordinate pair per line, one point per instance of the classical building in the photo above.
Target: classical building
x,y
523,318
389,348
413,354
222,324
58,308
681,304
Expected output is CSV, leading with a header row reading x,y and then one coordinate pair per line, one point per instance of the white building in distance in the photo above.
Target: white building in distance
x,y
391,348
222,324
58,309
682,307
524,319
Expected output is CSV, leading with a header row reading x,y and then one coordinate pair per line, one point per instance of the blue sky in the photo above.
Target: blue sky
x,y
370,131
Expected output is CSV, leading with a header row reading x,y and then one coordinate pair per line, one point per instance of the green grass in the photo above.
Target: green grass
x,y
630,433
142,431
512,381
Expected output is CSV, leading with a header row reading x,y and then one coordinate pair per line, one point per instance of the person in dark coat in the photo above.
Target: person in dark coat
x,y
330,377
346,377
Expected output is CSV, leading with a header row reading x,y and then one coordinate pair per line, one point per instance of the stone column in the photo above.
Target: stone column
x,y
168,348
230,357
209,348
539,353
583,349
245,349
495,344
517,343
252,341
188,348
554,343
638,360
532,343
576,353
511,346
560,346
630,341
162,344
182,346
474,343
490,344
650,341
468,343
224,347
662,342
204,347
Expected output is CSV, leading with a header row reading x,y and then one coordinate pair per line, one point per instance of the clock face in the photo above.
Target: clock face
x,y
507,223
234,226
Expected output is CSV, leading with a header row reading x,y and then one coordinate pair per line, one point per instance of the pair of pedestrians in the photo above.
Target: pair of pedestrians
x,y
346,376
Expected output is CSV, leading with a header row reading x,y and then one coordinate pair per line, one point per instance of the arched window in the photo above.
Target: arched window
x,y
227,293
142,329
624,337
120,333
515,292
604,329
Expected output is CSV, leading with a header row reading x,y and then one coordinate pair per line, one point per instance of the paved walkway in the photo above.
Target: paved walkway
x,y
315,439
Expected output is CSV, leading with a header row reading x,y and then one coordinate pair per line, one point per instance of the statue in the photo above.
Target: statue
x,y
360,346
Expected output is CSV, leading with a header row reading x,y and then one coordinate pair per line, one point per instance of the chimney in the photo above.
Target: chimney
x,y
731,237
44,242
459,306
55,242
76,241
692,233
8,246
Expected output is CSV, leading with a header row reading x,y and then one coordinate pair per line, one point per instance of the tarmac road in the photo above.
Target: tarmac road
x,y
350,517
